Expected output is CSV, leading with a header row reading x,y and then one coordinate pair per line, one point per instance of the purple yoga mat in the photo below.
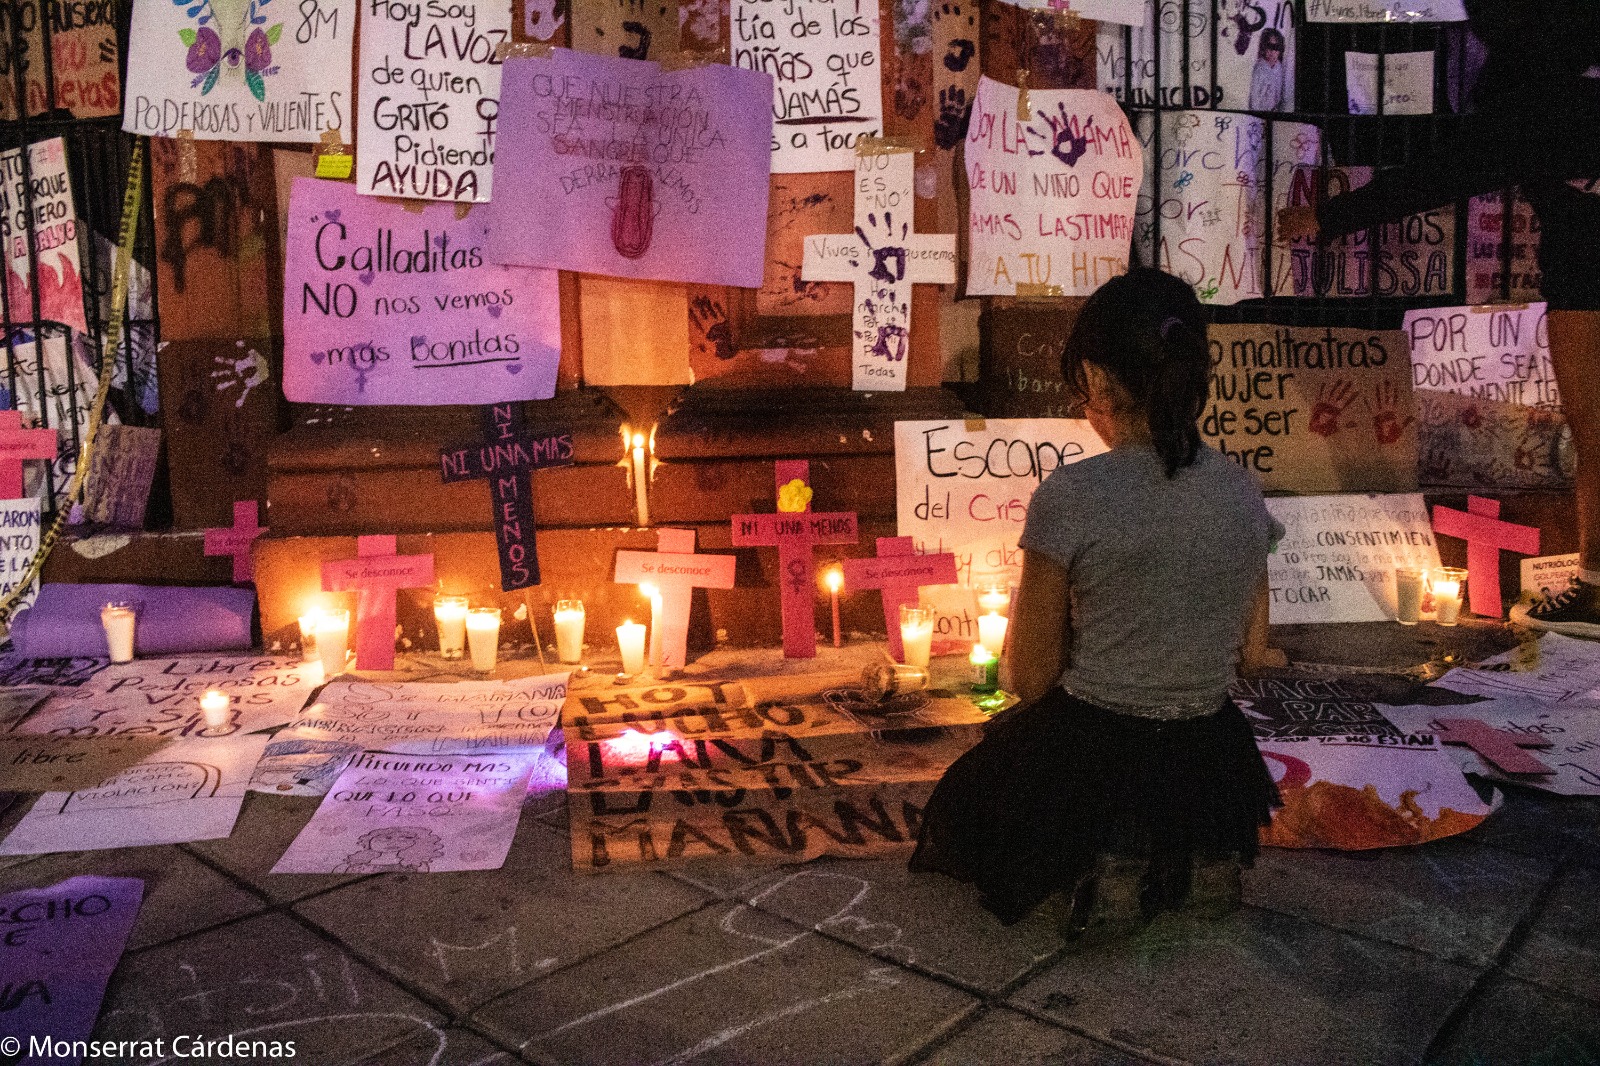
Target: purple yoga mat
x,y
65,620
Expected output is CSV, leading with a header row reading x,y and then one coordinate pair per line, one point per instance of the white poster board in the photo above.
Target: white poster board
x,y
827,73
964,487
1568,671
1122,12
247,70
1386,11
1052,199
414,813
1548,574
55,236
1336,560
1488,352
430,97
1250,74
1572,729
1407,83
19,543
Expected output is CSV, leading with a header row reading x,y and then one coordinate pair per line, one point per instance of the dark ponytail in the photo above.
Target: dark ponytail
x,y
1147,330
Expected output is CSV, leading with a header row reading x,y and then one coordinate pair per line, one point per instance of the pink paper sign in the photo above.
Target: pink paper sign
x,y
677,572
900,573
17,444
615,166
377,574
238,540
385,303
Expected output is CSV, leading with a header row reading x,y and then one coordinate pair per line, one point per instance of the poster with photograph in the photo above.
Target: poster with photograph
x,y
1255,57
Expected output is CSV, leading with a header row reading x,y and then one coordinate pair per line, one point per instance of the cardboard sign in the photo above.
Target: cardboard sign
x,y
1207,221
638,172
1246,77
54,225
1020,374
189,790
63,764
1488,445
257,70
83,59
1361,792
1569,734
414,814
1285,708
1052,199
1337,557
1386,11
19,543
1491,256
429,85
1313,410
1493,353
384,305
17,699
62,945
1548,575
161,698
122,470
964,487
827,71
882,260
1407,83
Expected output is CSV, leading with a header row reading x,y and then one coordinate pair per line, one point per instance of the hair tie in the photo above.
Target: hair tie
x,y
1169,324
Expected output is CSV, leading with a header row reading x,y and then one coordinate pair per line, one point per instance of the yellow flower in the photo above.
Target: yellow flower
x,y
795,496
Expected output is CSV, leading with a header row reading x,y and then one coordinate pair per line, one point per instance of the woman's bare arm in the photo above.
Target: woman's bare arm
x,y
1257,654
1039,629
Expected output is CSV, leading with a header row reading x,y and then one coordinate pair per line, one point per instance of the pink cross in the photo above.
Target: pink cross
x,y
238,540
1486,536
377,573
1502,749
899,572
17,444
676,571
795,534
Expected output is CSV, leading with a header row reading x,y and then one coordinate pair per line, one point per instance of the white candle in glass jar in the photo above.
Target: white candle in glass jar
x,y
630,641
214,706
916,635
450,614
569,630
1408,584
119,620
995,600
483,637
333,642
308,632
992,633
1447,601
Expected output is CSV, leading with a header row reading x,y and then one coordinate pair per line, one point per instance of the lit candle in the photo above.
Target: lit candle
x,y
916,635
214,705
992,633
630,640
641,490
333,641
835,579
119,620
569,630
483,637
308,632
995,599
1408,583
1448,585
450,613
985,669
656,634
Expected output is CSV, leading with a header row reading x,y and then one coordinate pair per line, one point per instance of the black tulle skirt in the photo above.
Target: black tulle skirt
x,y
1058,782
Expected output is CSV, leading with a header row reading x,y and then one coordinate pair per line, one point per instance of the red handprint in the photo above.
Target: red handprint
x,y
1332,400
1384,404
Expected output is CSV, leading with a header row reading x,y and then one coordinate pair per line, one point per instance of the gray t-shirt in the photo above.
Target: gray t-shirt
x,y
1162,574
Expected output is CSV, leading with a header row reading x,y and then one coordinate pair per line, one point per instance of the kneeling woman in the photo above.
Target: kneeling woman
x,y
1126,781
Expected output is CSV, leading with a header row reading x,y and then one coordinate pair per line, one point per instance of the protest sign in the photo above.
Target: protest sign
x,y
1360,792
61,946
54,225
468,717
1313,410
1385,11
1207,220
52,673
414,814
1020,372
827,73
1282,708
122,471
671,164
62,398
1407,83
1051,200
189,790
1548,575
384,305
161,697
964,487
19,543
1567,670
1466,442
1254,56
1491,352
626,29
429,84
1493,252
17,699
1123,12
82,68
1572,731
1337,557
257,70
61,764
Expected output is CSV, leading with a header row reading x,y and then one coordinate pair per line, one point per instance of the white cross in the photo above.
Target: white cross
x,y
883,258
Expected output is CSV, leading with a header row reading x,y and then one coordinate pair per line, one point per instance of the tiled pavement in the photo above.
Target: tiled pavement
x,y
1478,951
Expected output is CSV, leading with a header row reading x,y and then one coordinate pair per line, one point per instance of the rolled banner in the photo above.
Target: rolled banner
x,y
65,620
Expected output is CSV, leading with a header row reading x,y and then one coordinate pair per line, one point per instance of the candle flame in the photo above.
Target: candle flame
x,y
638,441
835,579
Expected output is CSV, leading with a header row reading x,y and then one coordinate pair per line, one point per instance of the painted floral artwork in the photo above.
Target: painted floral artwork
x,y
229,35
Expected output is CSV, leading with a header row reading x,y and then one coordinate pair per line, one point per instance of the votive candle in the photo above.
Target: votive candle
x,y
916,635
992,633
1408,585
995,600
333,641
985,669
119,621
1448,584
483,637
835,579
308,632
630,641
569,630
215,705
450,613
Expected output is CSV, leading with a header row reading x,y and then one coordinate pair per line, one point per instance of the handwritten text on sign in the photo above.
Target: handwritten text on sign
x,y
388,306
1386,11
1336,560
54,223
1492,353
83,58
966,491
19,542
1052,198
827,71
250,70
430,98
638,172
1242,77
